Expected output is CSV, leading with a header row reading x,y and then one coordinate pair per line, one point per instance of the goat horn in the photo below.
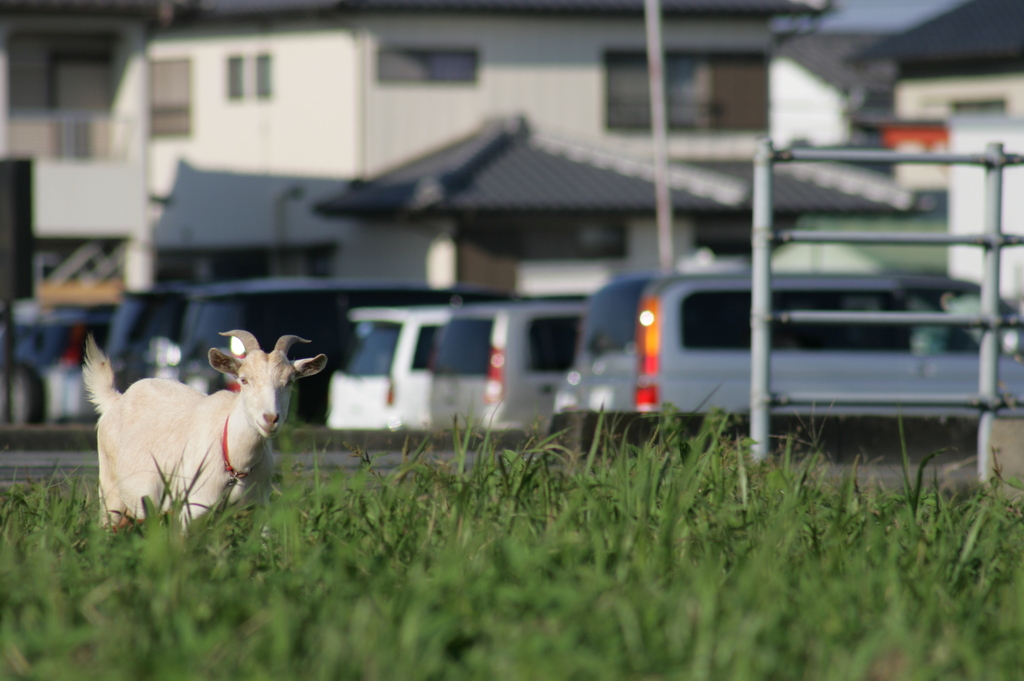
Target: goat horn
x,y
284,343
249,341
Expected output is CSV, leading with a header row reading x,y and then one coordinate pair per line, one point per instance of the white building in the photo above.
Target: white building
x,y
74,98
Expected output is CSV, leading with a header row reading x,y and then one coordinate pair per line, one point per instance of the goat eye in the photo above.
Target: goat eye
x,y
243,381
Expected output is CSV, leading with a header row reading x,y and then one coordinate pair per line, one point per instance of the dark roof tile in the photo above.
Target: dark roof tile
x,y
671,7
145,8
829,56
976,29
506,167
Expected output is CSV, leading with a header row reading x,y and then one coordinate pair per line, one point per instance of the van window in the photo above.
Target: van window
x,y
716,320
721,320
552,343
424,344
610,324
932,340
464,347
373,348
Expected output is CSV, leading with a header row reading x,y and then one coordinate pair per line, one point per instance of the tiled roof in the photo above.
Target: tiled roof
x,y
829,56
121,7
672,7
506,167
228,8
976,29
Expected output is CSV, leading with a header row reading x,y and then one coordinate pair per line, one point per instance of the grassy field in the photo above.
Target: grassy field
x,y
680,560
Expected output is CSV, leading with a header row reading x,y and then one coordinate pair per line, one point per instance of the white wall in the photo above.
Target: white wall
x,y
967,199
550,68
309,125
804,107
85,200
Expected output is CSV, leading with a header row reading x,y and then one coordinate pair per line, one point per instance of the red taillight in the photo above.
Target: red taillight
x,y
647,397
494,389
391,392
648,350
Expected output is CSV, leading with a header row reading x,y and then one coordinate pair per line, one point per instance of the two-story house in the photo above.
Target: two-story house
x,y
73,98
968,61
963,73
281,96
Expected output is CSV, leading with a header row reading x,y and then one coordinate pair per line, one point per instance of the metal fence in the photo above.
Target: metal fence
x,y
987,400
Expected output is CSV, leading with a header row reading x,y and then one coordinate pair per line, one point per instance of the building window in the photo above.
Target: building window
x,y
170,102
992,107
236,77
719,92
396,65
264,81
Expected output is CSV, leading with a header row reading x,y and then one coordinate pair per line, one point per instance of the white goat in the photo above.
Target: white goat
x,y
168,441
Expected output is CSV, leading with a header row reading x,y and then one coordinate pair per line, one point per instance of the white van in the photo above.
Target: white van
x,y
385,382
499,364
691,344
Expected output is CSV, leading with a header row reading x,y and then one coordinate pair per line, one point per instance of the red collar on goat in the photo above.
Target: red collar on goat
x,y
228,468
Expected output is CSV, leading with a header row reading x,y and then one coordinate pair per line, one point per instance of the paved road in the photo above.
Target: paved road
x,y
21,466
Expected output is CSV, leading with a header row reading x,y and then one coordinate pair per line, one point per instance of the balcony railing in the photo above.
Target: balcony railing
x,y
66,134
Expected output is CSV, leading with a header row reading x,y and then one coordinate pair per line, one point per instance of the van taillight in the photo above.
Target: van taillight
x,y
648,348
391,391
494,389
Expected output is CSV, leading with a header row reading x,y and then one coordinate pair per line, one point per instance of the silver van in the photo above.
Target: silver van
x,y
499,364
691,343
385,383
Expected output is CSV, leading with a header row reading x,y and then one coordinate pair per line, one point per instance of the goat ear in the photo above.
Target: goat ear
x,y
224,363
308,367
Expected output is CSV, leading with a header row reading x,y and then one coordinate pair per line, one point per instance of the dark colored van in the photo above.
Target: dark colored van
x,y
315,309
145,333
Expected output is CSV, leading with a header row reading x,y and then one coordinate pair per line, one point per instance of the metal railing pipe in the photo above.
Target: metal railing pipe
x,y
761,301
886,156
967,400
988,369
911,239
897,318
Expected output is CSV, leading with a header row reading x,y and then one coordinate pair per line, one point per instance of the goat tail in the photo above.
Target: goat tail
x,y
98,376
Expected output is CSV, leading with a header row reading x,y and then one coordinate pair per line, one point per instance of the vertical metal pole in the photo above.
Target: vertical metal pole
x,y
655,74
988,370
761,301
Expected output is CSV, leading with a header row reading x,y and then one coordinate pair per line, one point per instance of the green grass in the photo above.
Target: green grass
x,y
677,560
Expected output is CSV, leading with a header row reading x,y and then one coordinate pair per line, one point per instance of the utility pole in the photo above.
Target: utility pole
x,y
656,77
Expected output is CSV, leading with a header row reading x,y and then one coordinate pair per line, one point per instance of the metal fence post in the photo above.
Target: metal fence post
x,y
988,370
760,301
